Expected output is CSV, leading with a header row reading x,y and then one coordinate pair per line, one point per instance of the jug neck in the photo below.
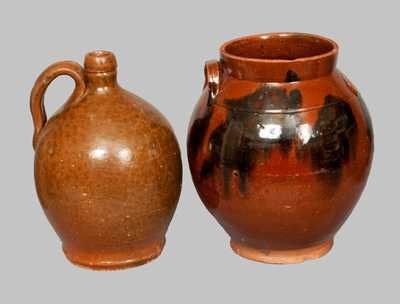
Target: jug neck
x,y
279,57
101,82
100,70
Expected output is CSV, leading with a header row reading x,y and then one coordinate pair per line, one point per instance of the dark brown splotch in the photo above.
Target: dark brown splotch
x,y
235,143
367,117
334,141
199,128
267,97
215,143
291,76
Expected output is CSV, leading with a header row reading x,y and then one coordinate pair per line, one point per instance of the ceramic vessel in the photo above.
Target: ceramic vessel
x,y
107,167
280,145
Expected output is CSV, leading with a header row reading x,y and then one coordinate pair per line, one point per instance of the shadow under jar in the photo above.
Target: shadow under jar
x,y
280,145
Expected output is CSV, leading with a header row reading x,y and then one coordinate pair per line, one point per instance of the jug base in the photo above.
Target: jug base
x,y
294,256
115,261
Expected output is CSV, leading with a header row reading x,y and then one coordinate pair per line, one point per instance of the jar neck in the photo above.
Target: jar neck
x,y
279,57
101,82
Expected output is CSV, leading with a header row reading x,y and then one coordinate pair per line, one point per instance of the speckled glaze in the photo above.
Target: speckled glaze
x,y
107,167
280,145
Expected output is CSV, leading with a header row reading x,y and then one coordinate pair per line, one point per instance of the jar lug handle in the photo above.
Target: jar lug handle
x,y
213,79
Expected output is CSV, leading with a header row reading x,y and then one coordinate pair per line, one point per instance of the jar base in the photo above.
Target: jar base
x,y
293,256
115,261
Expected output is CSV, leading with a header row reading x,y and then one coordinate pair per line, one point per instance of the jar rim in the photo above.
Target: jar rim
x,y
270,57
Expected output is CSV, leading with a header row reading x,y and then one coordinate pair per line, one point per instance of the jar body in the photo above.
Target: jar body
x,y
280,165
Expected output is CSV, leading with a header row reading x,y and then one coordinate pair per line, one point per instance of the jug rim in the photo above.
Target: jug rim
x,y
100,61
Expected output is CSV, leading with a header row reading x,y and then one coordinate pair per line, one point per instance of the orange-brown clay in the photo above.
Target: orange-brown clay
x,y
280,145
107,167
294,256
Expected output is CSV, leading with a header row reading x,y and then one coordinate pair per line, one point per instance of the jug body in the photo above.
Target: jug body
x,y
107,168
280,145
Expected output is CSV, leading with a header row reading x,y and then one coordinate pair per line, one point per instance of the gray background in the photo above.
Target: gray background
x,y
161,47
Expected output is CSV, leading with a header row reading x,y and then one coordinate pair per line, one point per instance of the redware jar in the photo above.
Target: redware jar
x,y
280,145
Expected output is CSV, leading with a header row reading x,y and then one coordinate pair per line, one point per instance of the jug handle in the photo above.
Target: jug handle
x,y
212,73
70,68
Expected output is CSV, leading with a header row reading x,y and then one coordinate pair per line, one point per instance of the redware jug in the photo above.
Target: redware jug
x,y
280,145
107,167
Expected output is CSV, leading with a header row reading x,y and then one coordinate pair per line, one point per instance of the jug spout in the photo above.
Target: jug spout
x,y
100,69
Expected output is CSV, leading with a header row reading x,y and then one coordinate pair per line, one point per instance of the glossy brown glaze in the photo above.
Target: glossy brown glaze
x,y
280,145
107,167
